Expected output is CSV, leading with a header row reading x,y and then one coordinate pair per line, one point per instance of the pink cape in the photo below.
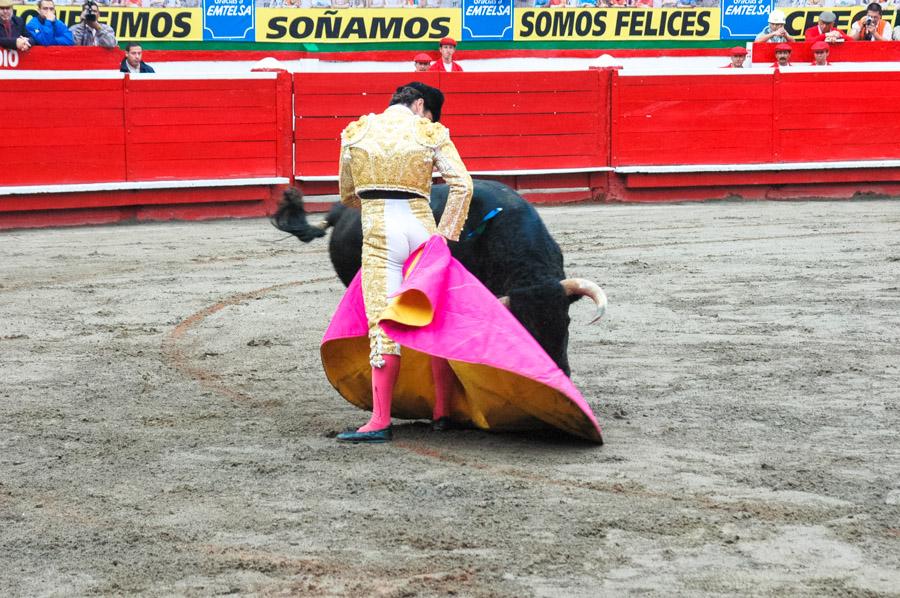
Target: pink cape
x,y
505,380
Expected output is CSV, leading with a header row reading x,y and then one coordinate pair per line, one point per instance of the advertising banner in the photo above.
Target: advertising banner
x,y
357,25
487,20
743,19
229,20
135,24
600,24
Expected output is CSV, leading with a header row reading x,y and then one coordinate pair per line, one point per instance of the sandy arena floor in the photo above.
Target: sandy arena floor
x,y
165,426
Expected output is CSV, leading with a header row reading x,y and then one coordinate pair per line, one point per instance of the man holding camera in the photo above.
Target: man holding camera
x,y
872,27
90,31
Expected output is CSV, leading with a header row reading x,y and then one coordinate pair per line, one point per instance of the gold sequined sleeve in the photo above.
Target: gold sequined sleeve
x,y
350,135
451,167
345,181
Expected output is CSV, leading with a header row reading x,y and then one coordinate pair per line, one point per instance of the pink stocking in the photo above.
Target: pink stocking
x,y
443,386
383,380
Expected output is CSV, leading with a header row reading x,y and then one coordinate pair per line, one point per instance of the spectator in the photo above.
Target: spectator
x,y
643,3
774,32
738,56
422,61
820,54
132,62
13,34
446,63
46,29
782,56
90,31
825,30
872,27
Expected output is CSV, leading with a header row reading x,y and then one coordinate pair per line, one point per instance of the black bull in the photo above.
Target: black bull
x,y
512,254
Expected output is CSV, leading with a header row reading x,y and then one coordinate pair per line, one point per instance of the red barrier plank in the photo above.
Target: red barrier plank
x,y
697,87
25,119
685,110
319,128
103,164
536,146
44,151
193,115
224,168
461,125
468,125
99,199
76,138
87,83
307,84
63,101
200,85
681,122
493,103
201,133
525,82
261,99
201,151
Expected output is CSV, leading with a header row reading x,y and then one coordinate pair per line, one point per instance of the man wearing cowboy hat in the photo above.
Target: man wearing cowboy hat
x,y
446,64
13,34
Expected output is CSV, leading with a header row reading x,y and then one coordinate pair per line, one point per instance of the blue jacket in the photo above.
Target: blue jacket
x,y
49,33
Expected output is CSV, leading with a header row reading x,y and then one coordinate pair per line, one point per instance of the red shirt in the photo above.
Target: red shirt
x,y
439,66
814,34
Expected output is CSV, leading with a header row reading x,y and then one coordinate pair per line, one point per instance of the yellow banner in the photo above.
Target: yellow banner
x,y
632,24
356,25
798,20
137,24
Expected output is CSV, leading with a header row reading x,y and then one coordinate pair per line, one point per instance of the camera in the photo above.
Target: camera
x,y
90,17
868,21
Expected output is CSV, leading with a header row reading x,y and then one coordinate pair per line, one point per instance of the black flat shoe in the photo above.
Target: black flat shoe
x,y
443,424
373,437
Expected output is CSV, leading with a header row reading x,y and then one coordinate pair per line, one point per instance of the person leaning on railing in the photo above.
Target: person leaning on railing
x,y
90,31
13,34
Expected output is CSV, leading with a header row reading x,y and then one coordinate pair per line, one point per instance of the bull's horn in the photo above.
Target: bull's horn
x,y
583,286
504,300
323,225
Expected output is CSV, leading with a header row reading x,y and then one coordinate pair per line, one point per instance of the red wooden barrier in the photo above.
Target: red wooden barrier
x,y
499,121
692,119
844,52
99,143
201,129
62,130
831,116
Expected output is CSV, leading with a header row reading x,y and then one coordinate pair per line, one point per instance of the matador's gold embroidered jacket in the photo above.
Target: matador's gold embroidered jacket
x,y
398,151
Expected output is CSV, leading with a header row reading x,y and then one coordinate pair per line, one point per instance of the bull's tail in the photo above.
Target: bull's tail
x,y
290,217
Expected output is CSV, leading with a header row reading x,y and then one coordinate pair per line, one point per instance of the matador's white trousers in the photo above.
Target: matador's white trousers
x,y
392,229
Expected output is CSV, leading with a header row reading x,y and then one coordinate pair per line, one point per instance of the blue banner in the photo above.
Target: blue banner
x,y
485,20
229,20
742,19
